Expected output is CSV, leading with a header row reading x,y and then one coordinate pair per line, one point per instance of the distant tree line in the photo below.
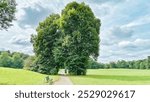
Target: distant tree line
x,y
135,64
12,60
21,60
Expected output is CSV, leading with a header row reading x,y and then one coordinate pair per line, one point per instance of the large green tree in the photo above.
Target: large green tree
x,y
80,29
44,42
67,41
7,13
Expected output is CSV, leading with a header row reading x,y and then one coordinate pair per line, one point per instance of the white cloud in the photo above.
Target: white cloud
x,y
125,44
121,32
20,40
137,44
16,39
20,14
145,43
140,21
116,34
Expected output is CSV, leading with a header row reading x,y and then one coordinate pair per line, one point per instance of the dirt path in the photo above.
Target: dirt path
x,y
64,80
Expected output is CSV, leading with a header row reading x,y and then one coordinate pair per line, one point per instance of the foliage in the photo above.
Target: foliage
x,y
44,42
80,39
121,64
135,64
17,60
7,13
13,60
5,60
29,62
148,62
67,40
95,65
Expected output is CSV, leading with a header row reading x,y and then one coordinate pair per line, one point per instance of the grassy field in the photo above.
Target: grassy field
x,y
10,76
113,77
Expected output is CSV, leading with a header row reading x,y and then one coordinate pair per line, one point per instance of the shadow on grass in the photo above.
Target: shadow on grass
x,y
119,77
3,83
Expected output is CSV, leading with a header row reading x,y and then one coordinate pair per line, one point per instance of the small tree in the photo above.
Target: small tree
x,y
7,13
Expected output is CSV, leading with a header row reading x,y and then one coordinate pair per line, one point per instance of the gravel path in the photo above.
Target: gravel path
x,y
64,80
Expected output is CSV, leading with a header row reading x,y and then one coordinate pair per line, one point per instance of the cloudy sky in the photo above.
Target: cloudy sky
x,y
125,30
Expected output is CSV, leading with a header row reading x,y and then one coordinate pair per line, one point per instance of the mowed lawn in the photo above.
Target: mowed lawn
x,y
9,76
113,77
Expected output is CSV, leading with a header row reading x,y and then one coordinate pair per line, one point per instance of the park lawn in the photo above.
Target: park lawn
x,y
113,77
9,76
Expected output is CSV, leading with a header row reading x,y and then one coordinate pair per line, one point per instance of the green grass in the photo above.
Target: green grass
x,y
113,77
9,76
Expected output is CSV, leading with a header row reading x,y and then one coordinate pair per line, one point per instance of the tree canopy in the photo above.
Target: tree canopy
x,y
7,13
44,42
68,40
81,36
